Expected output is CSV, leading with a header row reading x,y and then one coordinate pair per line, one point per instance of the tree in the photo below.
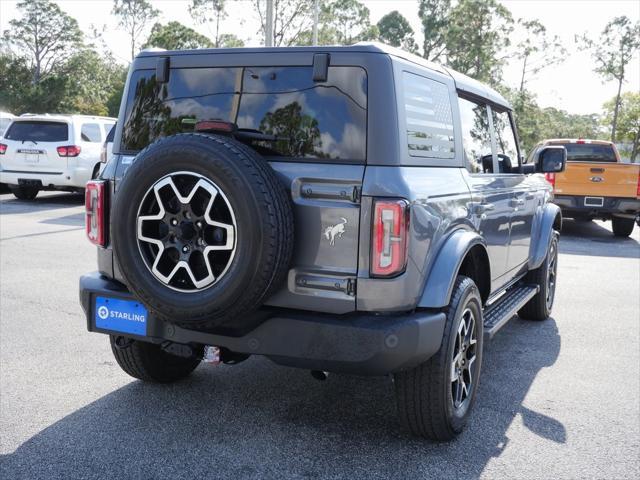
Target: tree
x,y
229,40
434,15
537,51
350,21
44,35
478,32
298,133
628,127
395,30
95,79
290,19
176,36
134,16
612,52
209,11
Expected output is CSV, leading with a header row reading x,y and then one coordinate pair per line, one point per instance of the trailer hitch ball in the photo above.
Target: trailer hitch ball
x,y
211,355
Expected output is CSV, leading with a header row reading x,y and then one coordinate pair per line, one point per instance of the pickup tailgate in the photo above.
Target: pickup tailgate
x,y
597,179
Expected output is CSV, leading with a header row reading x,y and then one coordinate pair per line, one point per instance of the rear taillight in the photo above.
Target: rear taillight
x,y
389,242
69,151
3,148
551,178
94,198
638,187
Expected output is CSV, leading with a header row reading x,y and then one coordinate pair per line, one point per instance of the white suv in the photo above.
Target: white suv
x,y
51,152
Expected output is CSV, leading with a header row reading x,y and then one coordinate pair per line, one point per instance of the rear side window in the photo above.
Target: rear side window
x,y
588,152
476,136
429,119
38,131
90,132
111,128
4,123
292,115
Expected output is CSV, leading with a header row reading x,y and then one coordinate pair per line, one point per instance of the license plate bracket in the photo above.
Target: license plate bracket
x,y
119,315
593,201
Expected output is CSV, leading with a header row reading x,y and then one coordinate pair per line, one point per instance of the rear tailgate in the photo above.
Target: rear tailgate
x,y
598,179
32,144
594,169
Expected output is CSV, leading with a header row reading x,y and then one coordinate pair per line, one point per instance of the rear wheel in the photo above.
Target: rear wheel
x,y
24,193
545,276
148,362
436,397
622,227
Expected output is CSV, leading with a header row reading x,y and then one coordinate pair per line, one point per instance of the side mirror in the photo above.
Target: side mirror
x,y
551,159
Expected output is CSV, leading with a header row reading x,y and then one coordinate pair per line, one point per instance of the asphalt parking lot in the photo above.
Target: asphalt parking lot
x,y
558,399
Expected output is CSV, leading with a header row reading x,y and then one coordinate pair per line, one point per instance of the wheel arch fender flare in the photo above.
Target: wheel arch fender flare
x,y
547,219
445,267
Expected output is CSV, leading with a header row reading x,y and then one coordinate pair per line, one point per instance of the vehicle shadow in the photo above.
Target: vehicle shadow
x,y
257,420
593,238
9,205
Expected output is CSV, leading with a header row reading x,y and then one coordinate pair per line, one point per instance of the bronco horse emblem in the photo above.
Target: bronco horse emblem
x,y
335,231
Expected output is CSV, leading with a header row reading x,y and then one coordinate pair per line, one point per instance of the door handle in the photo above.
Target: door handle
x,y
481,208
517,202
529,196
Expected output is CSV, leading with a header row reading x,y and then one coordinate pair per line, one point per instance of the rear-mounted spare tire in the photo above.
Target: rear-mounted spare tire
x,y
202,231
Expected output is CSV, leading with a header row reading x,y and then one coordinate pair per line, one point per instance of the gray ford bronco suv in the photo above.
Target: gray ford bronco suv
x,y
339,209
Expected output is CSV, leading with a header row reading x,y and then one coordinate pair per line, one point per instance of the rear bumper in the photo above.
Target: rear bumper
x,y
64,178
353,343
574,205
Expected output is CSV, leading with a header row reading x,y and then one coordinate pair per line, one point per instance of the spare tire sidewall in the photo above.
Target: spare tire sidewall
x,y
150,166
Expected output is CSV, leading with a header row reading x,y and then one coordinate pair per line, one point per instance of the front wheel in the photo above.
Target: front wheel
x,y
24,193
148,362
435,398
622,227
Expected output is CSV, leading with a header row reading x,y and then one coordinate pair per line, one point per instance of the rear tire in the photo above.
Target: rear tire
x,y
148,362
622,227
427,404
539,307
24,193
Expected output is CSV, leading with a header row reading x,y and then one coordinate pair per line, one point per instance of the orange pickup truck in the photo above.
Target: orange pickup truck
x,y
596,184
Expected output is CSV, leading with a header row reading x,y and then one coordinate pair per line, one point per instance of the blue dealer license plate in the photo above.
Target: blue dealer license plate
x,y
124,316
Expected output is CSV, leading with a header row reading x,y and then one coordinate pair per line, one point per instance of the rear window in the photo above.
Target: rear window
x,y
90,132
38,131
302,118
588,152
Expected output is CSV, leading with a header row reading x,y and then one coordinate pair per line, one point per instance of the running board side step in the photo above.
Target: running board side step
x,y
503,310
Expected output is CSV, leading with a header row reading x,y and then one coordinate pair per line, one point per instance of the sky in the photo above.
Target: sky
x,y
571,86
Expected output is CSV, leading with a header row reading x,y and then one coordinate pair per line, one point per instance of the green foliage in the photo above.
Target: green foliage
x,y
628,128
209,11
612,52
536,124
229,40
176,36
477,35
341,22
395,30
44,36
434,15
538,50
299,133
134,16
290,19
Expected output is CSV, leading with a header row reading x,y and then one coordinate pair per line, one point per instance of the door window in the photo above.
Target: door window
x,y
476,136
505,142
90,132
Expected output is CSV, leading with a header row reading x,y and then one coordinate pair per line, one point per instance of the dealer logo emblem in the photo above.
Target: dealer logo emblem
x,y
103,312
